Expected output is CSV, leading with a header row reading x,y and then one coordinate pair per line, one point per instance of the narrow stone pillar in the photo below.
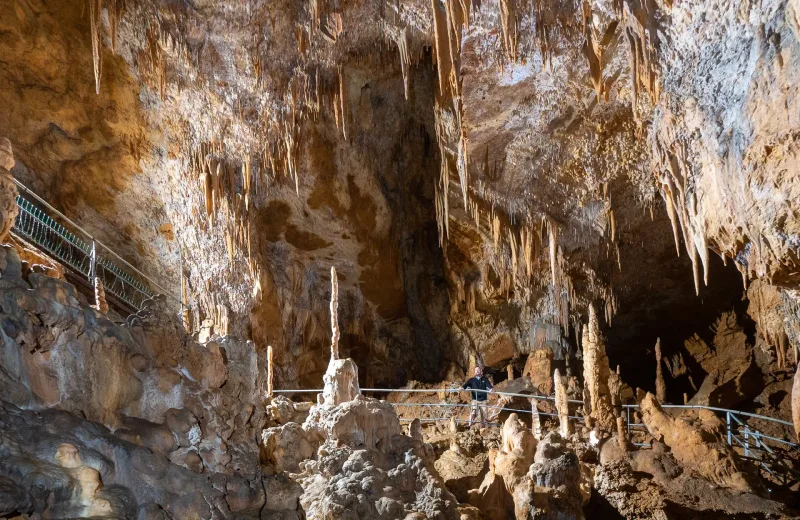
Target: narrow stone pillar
x,y
595,373
562,404
415,430
622,433
510,371
334,314
8,190
661,386
536,421
270,373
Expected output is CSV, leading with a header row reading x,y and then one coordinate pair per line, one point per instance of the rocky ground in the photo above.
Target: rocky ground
x,y
138,421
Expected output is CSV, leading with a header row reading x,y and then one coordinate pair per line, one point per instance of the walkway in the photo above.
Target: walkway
x,y
79,251
773,454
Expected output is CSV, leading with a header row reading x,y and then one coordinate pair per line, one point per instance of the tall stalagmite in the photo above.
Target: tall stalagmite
x,y
562,404
596,372
334,315
661,386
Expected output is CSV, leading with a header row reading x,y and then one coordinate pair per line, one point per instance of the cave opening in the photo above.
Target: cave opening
x,y
673,313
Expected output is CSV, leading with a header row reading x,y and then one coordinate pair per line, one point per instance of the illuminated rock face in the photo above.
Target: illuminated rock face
x,y
486,177
8,190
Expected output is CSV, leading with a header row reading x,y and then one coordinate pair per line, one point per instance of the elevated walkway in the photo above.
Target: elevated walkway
x,y
78,251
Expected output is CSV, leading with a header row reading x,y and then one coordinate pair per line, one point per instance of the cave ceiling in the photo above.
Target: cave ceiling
x,y
478,172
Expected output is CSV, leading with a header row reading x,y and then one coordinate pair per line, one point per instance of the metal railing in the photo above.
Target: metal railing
x,y
81,255
768,452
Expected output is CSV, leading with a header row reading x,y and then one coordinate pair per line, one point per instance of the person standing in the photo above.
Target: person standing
x,y
479,385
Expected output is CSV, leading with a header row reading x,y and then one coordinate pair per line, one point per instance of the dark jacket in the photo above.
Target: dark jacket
x,y
478,383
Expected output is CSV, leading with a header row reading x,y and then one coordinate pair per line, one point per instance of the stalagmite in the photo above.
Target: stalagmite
x,y
510,372
415,429
661,387
334,315
100,296
622,434
341,378
536,421
596,372
8,190
562,404
270,372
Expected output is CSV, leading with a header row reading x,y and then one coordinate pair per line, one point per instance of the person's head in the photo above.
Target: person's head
x,y
478,371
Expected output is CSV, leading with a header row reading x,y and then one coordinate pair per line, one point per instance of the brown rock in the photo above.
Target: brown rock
x,y
498,351
796,402
697,441
539,367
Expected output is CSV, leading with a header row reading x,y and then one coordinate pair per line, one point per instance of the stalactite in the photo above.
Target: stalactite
x,y
562,404
552,231
334,315
405,59
613,225
95,23
508,24
495,231
114,13
661,387
442,43
344,102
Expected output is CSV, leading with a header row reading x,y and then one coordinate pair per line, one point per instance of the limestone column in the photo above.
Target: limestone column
x,y
270,373
562,404
596,372
661,386
536,421
8,190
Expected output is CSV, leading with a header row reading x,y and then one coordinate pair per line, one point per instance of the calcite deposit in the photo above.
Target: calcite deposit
x,y
595,201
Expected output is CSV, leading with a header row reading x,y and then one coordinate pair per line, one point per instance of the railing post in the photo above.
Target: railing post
x,y
728,426
746,440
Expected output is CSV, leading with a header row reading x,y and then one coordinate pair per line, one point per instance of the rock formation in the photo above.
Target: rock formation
x,y
341,377
596,372
486,176
796,402
562,404
661,386
8,190
697,441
